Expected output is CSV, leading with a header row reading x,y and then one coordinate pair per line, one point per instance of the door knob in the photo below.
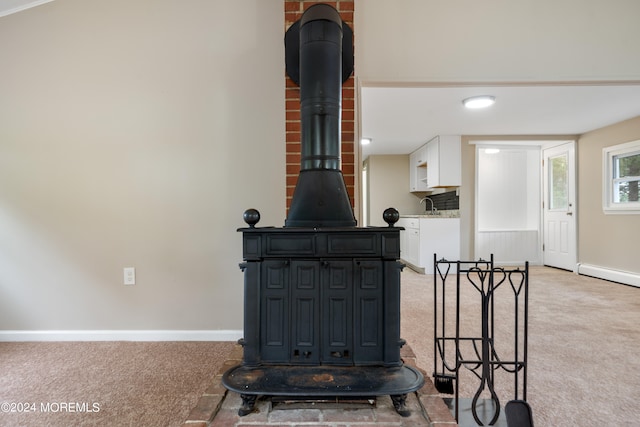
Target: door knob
x,y
569,213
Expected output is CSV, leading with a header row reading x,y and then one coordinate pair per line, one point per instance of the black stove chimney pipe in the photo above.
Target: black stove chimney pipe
x,y
320,198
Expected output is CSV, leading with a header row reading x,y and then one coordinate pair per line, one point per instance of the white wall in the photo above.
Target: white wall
x,y
135,133
508,189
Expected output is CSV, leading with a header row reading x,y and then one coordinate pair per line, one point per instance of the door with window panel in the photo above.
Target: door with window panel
x,y
559,213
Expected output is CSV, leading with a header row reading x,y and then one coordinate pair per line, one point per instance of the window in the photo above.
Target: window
x,y
621,170
559,197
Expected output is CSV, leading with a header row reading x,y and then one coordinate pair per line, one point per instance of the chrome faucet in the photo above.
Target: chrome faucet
x,y
433,209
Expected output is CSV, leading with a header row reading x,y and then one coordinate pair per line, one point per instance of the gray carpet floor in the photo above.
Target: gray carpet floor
x,y
105,383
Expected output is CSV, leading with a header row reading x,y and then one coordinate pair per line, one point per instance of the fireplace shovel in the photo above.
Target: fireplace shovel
x,y
518,414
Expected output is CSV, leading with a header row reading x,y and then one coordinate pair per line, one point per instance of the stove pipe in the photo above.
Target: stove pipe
x,y
320,198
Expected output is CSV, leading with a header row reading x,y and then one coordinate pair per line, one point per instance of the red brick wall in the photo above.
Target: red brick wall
x,y
293,10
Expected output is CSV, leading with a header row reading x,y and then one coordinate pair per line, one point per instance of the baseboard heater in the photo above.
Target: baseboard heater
x,y
624,277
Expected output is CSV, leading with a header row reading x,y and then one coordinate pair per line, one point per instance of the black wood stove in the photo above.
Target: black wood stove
x,y
322,296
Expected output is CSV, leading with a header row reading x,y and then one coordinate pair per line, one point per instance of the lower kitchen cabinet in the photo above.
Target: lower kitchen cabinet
x,y
424,236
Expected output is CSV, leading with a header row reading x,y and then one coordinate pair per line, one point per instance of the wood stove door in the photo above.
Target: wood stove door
x,y
274,311
337,312
305,299
369,315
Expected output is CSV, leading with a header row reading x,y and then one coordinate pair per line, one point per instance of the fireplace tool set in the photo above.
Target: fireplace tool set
x,y
495,354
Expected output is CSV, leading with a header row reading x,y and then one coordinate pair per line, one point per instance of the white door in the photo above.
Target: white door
x,y
559,207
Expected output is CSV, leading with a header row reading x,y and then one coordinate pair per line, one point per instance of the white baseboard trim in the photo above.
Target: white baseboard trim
x,y
624,277
121,335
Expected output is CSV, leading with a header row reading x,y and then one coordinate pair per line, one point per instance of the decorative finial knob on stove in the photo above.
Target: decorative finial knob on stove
x,y
391,216
251,217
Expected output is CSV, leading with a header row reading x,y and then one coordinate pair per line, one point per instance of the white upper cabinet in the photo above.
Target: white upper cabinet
x,y
418,169
442,167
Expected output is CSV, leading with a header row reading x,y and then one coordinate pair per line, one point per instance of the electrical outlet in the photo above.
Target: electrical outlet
x,y
129,276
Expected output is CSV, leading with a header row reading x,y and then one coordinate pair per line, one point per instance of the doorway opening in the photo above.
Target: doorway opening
x,y
525,202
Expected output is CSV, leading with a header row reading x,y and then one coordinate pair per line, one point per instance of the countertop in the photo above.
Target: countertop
x,y
438,214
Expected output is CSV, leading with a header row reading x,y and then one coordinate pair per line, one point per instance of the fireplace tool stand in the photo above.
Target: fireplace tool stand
x,y
495,359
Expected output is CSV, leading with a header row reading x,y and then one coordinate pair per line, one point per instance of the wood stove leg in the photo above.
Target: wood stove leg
x,y
248,404
400,404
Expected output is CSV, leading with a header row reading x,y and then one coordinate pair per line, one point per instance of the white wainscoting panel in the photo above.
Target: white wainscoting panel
x,y
509,247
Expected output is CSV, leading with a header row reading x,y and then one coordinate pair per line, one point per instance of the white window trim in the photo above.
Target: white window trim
x,y
608,153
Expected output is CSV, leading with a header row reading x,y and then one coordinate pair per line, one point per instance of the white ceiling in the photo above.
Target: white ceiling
x,y
399,120
7,7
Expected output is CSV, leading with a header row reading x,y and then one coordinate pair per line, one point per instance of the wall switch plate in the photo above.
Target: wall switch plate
x,y
129,276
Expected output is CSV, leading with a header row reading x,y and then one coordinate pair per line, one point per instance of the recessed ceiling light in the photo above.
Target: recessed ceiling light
x,y
479,101
365,141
